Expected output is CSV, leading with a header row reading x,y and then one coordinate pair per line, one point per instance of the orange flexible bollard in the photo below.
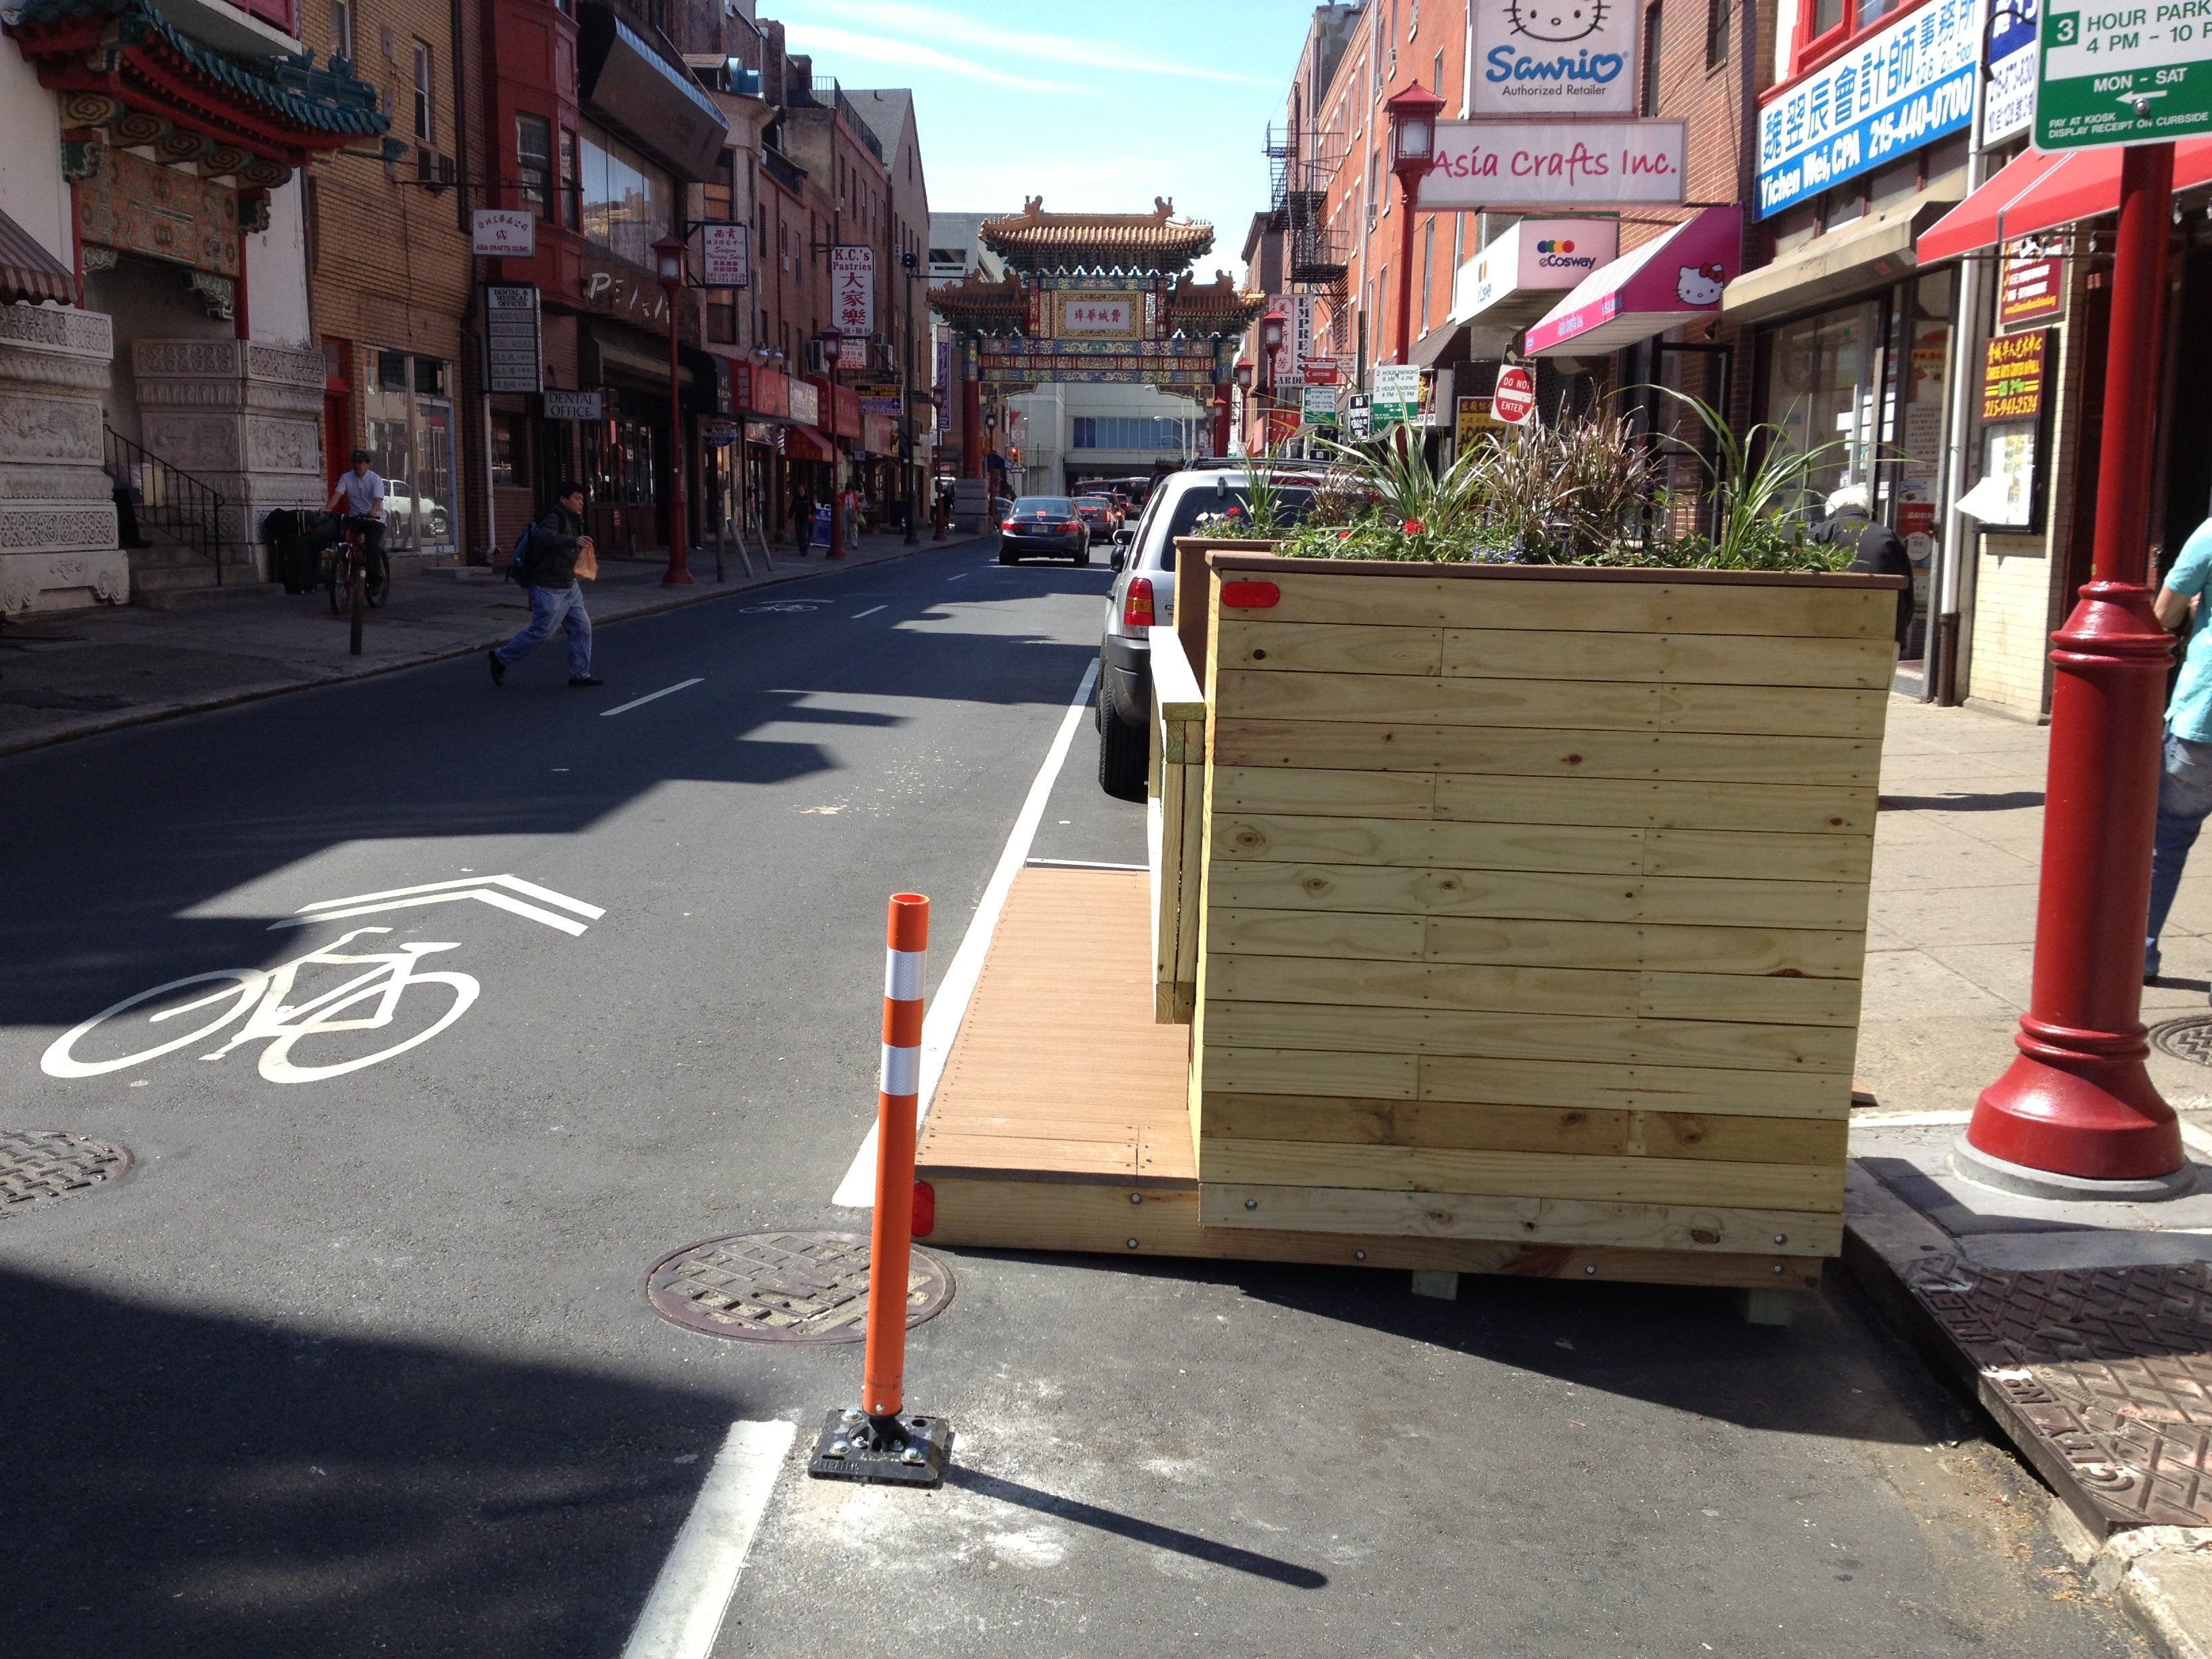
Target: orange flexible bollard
x,y
876,1443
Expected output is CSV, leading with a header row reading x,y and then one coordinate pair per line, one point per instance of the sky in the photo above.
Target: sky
x,y
1099,107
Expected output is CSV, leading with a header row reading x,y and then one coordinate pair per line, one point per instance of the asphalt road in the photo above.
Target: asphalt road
x,y
360,1364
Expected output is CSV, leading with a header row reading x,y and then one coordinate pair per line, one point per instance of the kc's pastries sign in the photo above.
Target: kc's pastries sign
x,y
1550,57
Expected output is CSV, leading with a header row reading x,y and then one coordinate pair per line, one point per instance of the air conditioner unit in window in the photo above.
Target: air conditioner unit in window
x,y
434,169
818,361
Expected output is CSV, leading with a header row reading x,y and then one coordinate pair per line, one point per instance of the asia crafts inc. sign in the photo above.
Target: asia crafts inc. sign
x,y
1909,85
1552,58
1556,164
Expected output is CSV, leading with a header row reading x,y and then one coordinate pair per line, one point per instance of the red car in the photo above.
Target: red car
x,y
1098,516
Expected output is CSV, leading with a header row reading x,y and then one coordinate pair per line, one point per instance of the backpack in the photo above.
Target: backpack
x,y
518,562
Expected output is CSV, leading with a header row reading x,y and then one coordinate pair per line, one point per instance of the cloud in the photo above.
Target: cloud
x,y
905,54
935,22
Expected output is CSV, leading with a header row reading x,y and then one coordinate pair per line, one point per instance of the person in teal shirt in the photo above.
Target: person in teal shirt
x,y
2185,787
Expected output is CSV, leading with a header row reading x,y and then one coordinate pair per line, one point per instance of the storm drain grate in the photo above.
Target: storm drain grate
x,y
38,1166
784,1287
2188,1038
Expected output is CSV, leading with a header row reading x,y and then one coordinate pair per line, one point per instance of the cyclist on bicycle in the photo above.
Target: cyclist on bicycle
x,y
358,494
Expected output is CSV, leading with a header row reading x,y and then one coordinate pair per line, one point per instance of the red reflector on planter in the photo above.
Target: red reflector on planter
x,y
925,1209
1251,596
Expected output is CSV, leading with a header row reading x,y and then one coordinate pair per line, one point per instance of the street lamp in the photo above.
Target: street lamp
x,y
1271,341
669,252
1413,115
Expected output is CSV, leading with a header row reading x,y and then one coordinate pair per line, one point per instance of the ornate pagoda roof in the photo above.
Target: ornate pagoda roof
x,y
976,305
127,68
1034,240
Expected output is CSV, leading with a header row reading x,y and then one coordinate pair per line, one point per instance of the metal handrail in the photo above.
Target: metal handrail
x,y
185,509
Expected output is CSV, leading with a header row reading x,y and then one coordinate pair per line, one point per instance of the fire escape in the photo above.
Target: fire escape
x,y
1300,164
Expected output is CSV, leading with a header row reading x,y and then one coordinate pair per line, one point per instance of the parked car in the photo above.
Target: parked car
x,y
1098,517
1045,524
401,508
1143,597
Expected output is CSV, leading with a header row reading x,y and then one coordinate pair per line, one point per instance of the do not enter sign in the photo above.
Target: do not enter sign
x,y
1515,400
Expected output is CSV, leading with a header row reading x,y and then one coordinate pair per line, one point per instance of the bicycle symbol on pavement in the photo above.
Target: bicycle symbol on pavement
x,y
327,1022
780,606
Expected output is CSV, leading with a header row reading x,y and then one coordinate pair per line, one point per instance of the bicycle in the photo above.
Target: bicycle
x,y
263,992
349,559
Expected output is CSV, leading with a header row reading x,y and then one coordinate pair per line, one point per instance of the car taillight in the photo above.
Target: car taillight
x,y
1137,604
1010,524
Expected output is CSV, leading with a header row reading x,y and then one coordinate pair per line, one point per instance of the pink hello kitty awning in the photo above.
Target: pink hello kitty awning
x,y
1676,278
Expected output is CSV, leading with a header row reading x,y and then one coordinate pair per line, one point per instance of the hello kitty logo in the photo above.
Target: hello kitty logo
x,y
1700,285
1557,19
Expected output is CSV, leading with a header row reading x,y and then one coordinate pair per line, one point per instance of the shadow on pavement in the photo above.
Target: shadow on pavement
x,y
183,1485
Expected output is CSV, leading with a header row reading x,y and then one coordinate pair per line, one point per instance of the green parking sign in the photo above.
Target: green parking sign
x,y
2127,73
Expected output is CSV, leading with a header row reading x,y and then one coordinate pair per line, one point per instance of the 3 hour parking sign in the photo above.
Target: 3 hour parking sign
x,y
2136,72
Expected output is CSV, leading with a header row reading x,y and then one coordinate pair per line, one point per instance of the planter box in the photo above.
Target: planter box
x,y
1531,902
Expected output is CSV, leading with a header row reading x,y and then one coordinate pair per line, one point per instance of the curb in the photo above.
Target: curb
x,y
152,714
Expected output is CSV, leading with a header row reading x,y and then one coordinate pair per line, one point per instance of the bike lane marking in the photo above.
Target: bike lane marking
x,y
650,696
870,611
857,1191
482,887
683,1611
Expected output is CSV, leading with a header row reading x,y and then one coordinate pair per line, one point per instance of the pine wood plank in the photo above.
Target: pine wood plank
x,y
1285,1071
1331,648
1413,746
1321,934
1327,794
1721,1229
1605,705
1586,1131
1845,810
1782,999
985,1150
1011,1215
1717,1043
1536,896
1523,1174
1729,952
1686,659
1689,1089
1757,855
1584,607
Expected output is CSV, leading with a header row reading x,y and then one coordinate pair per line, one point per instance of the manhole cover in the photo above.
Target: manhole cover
x,y
39,1165
784,1287
2188,1038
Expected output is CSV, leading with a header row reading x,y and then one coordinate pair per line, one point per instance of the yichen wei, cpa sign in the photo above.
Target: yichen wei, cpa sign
x,y
1545,58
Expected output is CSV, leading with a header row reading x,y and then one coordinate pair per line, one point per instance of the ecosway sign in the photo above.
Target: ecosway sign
x,y
1554,164
1908,86
1549,58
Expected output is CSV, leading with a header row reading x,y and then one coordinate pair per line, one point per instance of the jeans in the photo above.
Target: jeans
x,y
2185,798
548,608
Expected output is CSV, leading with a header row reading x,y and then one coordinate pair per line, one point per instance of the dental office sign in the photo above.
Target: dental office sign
x,y
1551,57
1554,164
1909,85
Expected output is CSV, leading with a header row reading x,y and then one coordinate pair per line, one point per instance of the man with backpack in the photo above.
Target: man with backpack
x,y
547,556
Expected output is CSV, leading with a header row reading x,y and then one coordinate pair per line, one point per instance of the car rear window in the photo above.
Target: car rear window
x,y
1043,504
1092,500
1195,504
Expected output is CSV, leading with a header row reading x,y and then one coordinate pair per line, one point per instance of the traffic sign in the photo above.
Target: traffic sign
x,y
1515,400
2124,74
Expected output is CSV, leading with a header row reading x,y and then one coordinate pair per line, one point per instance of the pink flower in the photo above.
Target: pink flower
x,y
1414,526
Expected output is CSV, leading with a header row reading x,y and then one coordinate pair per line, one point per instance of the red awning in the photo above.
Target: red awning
x,y
2036,191
27,272
803,443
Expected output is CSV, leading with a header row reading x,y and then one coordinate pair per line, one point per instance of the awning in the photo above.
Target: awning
x,y
27,272
803,443
1432,347
651,102
1675,278
1873,249
2036,191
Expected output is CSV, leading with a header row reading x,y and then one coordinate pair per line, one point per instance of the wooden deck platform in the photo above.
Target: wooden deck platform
x,y
1062,1122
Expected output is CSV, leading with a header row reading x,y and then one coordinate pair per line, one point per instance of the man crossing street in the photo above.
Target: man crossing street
x,y
557,598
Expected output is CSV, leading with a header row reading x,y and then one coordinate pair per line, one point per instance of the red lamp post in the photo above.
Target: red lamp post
x,y
1243,373
833,347
669,251
2078,1103
1271,341
1413,115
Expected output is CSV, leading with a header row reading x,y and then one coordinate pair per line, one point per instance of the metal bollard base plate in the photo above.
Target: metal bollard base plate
x,y
849,1448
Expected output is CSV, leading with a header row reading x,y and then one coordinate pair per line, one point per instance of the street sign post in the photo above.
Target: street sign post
x,y
2124,74
1395,389
1515,400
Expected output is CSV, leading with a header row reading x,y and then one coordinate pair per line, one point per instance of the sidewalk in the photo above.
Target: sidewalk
x,y
68,674
2085,1329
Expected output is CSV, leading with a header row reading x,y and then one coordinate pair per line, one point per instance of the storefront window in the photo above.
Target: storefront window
x,y
510,452
410,432
1822,390
628,204
618,462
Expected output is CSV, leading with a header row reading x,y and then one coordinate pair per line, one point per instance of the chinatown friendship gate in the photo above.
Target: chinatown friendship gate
x,y
1098,297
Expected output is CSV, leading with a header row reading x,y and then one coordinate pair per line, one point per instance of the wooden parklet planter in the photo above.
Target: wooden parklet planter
x,y
1523,904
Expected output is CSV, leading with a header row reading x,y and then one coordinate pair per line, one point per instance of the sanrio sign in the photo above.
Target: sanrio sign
x,y
1537,58
1554,164
1676,278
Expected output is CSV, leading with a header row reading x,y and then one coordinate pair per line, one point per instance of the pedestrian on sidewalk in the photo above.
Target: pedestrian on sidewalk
x,y
2184,785
557,548
1876,549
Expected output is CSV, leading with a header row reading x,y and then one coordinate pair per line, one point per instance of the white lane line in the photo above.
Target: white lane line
x,y
857,1191
870,611
962,577
1863,1119
683,1614
639,703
